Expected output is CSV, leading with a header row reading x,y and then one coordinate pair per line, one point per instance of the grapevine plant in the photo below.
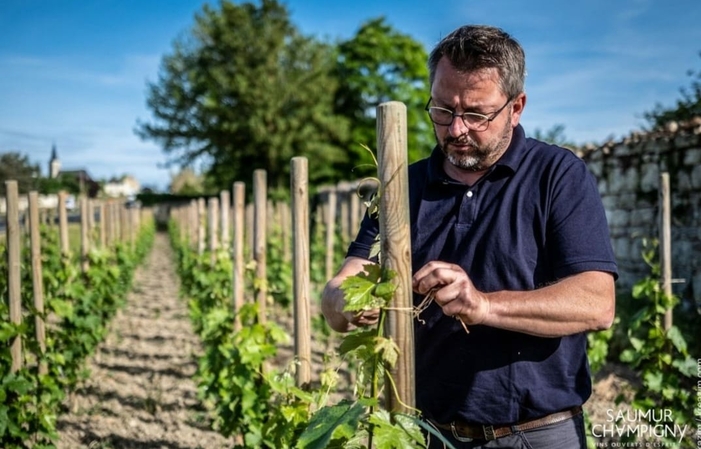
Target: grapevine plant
x,y
78,306
661,356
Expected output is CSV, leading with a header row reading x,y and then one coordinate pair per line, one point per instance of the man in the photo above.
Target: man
x,y
509,237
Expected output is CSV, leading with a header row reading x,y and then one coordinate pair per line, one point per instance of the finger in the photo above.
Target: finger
x,y
428,268
439,276
446,296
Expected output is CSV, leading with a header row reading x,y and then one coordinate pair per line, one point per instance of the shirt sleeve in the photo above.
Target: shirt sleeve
x,y
365,239
578,233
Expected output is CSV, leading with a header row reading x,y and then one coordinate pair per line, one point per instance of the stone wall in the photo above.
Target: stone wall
x,y
628,174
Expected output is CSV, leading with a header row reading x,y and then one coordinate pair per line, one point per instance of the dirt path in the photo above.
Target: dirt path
x,y
141,393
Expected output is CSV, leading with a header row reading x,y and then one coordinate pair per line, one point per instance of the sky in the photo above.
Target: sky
x,y
74,74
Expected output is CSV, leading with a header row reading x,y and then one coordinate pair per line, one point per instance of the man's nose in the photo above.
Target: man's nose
x,y
457,127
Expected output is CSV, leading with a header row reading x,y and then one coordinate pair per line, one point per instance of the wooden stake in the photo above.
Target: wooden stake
x,y
260,192
666,244
37,277
300,237
212,227
239,269
84,234
395,237
225,204
330,231
63,224
13,267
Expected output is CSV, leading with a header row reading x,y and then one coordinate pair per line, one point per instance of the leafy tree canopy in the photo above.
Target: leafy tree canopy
x,y
688,106
243,91
187,182
377,65
15,166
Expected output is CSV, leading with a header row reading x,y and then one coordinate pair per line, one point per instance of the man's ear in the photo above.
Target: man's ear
x,y
517,106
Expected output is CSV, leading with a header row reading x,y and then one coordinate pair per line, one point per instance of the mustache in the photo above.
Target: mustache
x,y
462,139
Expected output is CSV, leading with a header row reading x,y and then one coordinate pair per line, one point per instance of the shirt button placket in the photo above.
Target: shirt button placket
x,y
467,209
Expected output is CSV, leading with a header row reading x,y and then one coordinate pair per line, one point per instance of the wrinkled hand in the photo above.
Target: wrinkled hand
x,y
453,291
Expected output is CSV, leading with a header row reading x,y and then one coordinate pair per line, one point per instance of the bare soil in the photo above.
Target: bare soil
x,y
141,394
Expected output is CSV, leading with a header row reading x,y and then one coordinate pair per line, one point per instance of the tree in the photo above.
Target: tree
x,y
380,64
187,182
687,107
243,91
15,166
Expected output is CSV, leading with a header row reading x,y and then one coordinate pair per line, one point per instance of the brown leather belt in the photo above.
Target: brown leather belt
x,y
478,432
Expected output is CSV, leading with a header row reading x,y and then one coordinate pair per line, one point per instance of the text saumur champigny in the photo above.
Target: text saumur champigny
x,y
649,424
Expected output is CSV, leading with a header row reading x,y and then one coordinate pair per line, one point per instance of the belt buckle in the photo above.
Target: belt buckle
x,y
458,437
489,433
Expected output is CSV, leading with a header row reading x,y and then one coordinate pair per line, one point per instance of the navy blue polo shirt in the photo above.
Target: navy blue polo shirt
x,y
534,218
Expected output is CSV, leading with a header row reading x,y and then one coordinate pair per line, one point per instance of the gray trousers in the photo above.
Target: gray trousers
x,y
568,434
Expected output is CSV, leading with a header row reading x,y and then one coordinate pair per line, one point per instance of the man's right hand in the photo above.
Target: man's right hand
x,y
333,302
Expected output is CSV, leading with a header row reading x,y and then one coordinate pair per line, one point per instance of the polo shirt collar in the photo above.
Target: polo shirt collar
x,y
510,160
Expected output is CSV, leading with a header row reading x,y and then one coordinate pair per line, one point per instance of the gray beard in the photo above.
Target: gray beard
x,y
481,157
469,162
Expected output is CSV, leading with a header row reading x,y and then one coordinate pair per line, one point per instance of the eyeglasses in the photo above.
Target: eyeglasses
x,y
472,120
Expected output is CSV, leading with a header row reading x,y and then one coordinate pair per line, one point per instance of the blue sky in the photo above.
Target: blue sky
x,y
74,73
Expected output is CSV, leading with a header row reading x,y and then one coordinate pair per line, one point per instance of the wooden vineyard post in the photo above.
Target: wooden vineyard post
x,y
201,230
103,224
395,241
123,224
299,189
283,211
238,242
84,233
260,192
344,205
109,225
63,224
193,226
666,244
116,224
212,227
37,281
225,204
13,270
330,231
354,212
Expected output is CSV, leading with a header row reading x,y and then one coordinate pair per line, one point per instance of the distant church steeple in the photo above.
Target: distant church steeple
x,y
54,163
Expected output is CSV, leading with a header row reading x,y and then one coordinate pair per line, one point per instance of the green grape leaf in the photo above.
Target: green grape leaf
x,y
324,423
355,340
388,350
398,433
677,339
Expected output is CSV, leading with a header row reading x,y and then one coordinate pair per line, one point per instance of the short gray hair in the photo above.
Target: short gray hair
x,y
476,47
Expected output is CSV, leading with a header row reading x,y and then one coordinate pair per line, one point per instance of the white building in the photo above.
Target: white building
x,y
128,187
